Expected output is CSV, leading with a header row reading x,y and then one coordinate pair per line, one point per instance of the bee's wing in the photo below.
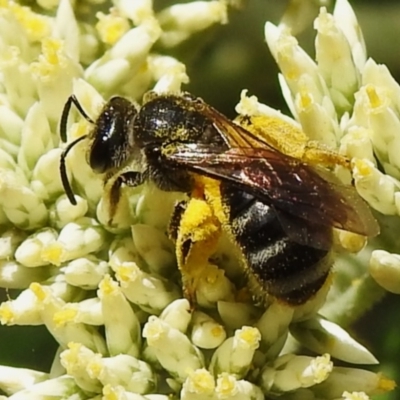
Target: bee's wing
x,y
287,184
290,186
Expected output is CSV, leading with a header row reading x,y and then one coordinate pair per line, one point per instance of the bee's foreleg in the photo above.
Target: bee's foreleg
x,y
113,187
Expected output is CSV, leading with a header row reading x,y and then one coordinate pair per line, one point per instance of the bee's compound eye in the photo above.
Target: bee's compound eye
x,y
100,156
111,136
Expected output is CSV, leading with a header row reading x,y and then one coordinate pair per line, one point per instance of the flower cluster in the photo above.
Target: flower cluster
x,y
110,294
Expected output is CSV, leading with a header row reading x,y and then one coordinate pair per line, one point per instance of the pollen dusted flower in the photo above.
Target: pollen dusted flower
x,y
110,293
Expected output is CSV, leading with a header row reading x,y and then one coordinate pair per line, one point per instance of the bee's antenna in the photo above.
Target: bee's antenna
x,y
65,114
63,170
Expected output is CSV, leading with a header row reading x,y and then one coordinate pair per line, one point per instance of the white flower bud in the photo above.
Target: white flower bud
x,y
36,138
76,239
151,211
75,360
111,27
355,396
172,348
290,372
346,20
13,380
177,315
60,324
356,143
198,385
24,310
376,188
86,311
30,251
375,111
9,242
294,62
206,332
384,267
249,105
235,355
122,250
353,380
124,58
315,117
46,178
379,76
11,125
17,77
228,387
122,327
323,336
13,275
180,21
20,204
65,28
235,315
335,61
213,286
154,247
149,292
60,387
169,74
89,98
138,11
85,272
274,323
6,160
134,375
122,219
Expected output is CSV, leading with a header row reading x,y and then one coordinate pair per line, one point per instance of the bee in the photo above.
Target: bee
x,y
279,208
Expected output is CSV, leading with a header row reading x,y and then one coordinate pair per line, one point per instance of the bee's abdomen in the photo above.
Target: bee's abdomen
x,y
286,270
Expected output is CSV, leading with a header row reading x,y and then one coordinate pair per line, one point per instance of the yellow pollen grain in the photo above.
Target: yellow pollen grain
x,y
373,97
50,60
73,346
292,74
305,99
51,49
154,332
226,386
110,393
201,382
217,331
62,317
6,314
38,291
72,355
111,27
386,384
53,253
36,26
363,168
94,368
322,366
108,286
128,273
249,335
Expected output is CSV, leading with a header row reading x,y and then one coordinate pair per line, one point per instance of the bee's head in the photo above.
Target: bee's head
x,y
110,141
